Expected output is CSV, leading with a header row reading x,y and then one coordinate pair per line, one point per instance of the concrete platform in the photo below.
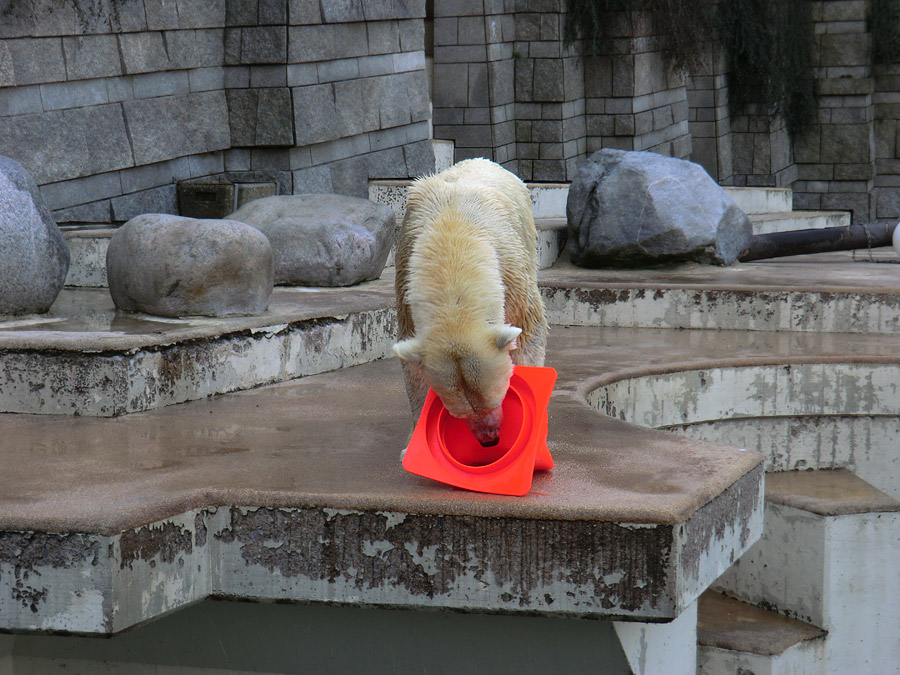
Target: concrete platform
x,y
771,223
295,492
86,358
825,293
727,623
736,637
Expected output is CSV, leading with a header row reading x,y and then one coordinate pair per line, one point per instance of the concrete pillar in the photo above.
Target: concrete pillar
x,y
836,158
474,102
709,119
661,647
550,124
633,98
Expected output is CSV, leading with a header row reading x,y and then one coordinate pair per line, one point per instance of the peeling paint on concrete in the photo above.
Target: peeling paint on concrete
x,y
798,415
151,543
26,552
31,563
721,532
110,384
724,309
94,584
464,562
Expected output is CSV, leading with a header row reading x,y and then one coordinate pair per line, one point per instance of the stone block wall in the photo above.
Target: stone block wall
x,y
836,159
560,105
761,150
887,141
474,98
551,140
709,121
634,99
110,103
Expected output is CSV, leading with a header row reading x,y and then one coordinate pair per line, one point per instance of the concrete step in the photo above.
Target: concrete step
x,y
551,239
548,206
105,521
443,154
548,200
737,637
788,221
758,200
828,556
87,256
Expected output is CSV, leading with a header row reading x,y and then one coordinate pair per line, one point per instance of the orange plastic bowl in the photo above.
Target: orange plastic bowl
x,y
443,449
461,448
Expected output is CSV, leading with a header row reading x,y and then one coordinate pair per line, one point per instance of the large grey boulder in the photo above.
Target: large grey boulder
x,y
629,209
34,255
174,266
323,239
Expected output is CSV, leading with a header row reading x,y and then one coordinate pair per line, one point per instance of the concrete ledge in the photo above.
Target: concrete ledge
x,y
827,293
246,496
85,358
769,223
757,200
727,623
827,493
826,411
87,249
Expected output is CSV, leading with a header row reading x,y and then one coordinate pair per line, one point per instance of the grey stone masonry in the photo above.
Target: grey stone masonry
x,y
474,67
709,121
836,160
550,94
110,104
634,99
887,141
761,151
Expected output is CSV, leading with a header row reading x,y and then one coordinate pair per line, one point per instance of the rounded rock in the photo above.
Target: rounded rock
x,y
628,209
35,255
173,266
323,239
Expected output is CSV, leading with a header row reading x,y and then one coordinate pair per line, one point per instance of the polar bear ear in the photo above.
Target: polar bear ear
x,y
409,350
506,337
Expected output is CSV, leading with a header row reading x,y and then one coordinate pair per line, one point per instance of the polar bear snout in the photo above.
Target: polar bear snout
x,y
486,428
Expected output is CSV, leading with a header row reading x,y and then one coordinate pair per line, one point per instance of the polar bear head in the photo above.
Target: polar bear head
x,y
469,369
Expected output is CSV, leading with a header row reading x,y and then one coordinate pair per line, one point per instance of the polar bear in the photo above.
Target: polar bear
x,y
468,305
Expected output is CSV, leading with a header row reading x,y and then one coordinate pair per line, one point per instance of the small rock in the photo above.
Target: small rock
x,y
34,255
174,266
323,239
628,209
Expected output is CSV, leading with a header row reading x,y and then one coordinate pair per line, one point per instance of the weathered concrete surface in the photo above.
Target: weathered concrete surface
x,y
182,487
736,637
625,526
798,220
839,571
87,250
820,293
727,623
660,647
85,358
162,357
808,411
828,493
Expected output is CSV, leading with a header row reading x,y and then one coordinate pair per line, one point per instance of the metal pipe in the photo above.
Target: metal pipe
x,y
823,240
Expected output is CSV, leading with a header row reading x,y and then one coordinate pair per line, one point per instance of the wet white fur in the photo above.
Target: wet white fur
x,y
467,297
